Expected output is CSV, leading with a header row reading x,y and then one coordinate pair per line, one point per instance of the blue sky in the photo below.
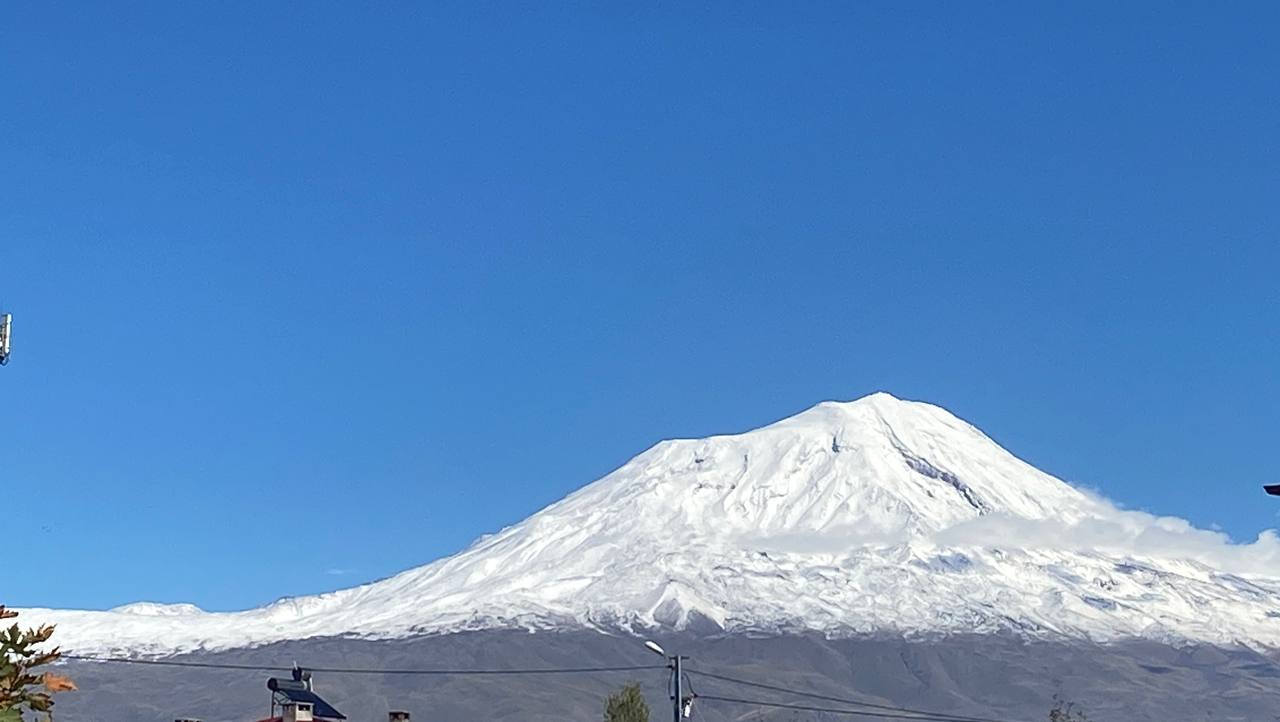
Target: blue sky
x,y
307,294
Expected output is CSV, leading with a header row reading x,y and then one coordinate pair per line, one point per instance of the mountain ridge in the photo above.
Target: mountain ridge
x,y
850,518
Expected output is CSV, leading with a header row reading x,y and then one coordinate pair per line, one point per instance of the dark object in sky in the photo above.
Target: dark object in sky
x,y
1272,489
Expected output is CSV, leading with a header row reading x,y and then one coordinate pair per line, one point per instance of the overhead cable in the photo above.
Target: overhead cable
x,y
833,710
362,670
841,700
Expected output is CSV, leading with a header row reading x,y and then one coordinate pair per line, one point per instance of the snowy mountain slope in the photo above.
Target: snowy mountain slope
x,y
872,516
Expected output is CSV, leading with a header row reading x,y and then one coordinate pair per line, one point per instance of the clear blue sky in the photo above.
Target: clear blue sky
x,y
306,294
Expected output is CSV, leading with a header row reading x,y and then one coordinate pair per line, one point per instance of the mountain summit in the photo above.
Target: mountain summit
x,y
876,516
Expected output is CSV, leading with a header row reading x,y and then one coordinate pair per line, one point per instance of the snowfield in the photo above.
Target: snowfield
x,y
867,517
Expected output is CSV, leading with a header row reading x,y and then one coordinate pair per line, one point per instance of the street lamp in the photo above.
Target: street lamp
x,y
681,706
1272,489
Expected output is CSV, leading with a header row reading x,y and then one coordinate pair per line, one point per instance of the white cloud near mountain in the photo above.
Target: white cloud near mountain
x,y
1108,529
1114,530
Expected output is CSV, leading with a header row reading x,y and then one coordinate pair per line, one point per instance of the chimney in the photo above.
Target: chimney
x,y
296,712
397,717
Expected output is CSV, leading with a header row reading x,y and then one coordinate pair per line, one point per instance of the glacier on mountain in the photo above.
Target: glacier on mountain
x,y
876,516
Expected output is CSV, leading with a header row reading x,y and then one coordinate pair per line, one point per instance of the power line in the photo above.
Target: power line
x,y
883,711
175,663
358,670
832,710
841,700
560,670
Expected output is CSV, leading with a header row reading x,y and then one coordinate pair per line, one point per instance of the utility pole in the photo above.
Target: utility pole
x,y
681,706
677,699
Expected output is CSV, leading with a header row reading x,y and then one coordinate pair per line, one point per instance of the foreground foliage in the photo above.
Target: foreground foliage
x,y
1064,711
24,688
626,705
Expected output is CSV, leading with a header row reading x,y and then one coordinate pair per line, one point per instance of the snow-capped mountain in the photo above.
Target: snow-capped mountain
x,y
866,517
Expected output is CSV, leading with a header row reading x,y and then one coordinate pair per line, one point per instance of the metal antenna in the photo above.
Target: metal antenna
x,y
6,331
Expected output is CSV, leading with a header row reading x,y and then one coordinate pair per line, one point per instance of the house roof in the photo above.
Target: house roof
x,y
319,707
276,719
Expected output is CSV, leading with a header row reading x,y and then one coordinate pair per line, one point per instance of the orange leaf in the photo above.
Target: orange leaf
x,y
58,683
